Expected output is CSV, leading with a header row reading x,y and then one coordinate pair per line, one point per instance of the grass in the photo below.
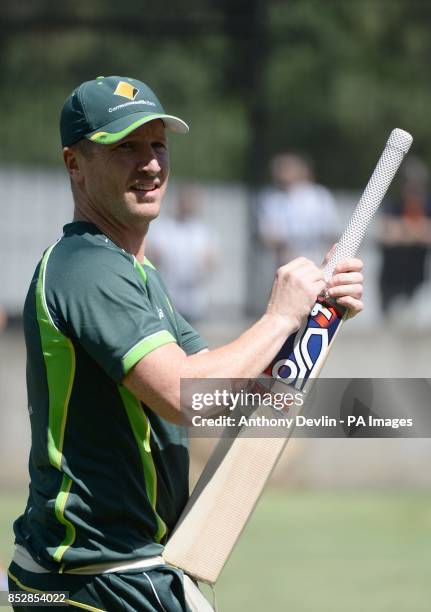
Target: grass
x,y
309,551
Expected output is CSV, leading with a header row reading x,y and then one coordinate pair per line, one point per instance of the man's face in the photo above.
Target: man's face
x,y
126,181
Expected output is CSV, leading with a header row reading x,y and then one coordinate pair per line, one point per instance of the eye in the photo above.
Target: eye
x,y
126,146
159,146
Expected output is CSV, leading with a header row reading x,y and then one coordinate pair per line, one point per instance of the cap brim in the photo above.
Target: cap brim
x,y
116,130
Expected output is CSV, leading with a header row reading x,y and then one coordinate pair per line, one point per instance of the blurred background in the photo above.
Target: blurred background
x,y
290,104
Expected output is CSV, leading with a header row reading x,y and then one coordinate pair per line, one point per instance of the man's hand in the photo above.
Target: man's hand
x,y
346,287
295,290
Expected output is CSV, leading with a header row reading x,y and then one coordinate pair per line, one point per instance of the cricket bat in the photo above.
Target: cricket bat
x,y
238,469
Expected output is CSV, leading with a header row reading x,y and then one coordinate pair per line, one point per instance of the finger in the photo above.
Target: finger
x,y
354,305
347,278
329,254
320,287
351,264
312,274
346,291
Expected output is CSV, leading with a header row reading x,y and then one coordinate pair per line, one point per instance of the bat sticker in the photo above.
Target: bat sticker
x,y
303,353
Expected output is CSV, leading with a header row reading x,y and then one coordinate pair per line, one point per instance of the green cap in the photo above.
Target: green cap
x,y
107,109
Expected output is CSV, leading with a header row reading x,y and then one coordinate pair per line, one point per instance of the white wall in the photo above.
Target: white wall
x,y
35,204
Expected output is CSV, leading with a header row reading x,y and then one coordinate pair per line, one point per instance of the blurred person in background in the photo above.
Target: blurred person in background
x,y
406,235
183,248
296,216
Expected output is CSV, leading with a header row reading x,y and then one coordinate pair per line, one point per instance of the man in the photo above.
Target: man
x,y
106,353
296,216
183,248
406,238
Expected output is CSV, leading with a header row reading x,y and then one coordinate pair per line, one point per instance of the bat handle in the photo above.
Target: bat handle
x,y
396,147
338,255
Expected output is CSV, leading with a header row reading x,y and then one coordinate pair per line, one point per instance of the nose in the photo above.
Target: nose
x,y
148,162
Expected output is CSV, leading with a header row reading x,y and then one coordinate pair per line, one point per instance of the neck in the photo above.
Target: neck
x,y
131,239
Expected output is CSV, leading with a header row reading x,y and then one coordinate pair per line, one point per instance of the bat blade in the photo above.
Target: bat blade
x,y
237,471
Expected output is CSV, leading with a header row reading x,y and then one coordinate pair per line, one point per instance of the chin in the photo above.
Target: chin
x,y
143,207
145,213
152,216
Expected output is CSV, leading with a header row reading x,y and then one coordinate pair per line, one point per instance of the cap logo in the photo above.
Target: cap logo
x,y
126,90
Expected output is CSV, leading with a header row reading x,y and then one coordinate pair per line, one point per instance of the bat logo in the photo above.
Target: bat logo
x,y
304,352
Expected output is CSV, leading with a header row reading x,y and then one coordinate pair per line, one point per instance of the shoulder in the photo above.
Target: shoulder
x,y
269,195
322,190
86,283
79,264
316,190
85,256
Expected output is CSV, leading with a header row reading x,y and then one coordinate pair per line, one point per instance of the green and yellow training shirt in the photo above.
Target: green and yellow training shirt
x,y
109,478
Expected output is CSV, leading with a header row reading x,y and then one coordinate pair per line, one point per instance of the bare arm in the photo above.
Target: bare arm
x,y
157,377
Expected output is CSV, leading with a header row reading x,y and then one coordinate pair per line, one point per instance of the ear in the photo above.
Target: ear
x,y
73,162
